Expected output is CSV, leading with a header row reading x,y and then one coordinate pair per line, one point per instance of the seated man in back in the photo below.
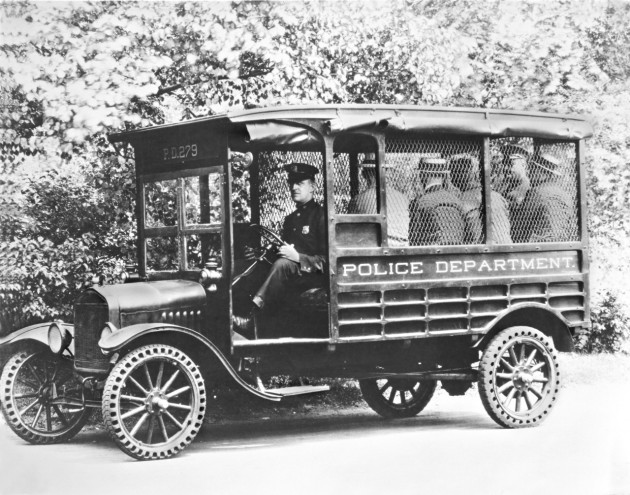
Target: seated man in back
x,y
465,174
364,203
437,215
548,212
301,262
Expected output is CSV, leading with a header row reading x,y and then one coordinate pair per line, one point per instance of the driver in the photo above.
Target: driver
x,y
301,259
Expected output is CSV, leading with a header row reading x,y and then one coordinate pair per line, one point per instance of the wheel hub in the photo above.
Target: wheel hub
x,y
156,402
523,379
46,392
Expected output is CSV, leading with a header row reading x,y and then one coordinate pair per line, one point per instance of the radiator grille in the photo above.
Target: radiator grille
x,y
90,315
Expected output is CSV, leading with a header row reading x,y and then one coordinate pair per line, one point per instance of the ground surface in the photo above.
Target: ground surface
x,y
453,447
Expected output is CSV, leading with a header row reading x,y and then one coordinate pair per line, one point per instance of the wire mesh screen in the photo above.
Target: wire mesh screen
x,y
440,181
538,181
345,184
275,199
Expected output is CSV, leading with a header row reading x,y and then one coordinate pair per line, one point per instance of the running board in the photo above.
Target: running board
x,y
298,390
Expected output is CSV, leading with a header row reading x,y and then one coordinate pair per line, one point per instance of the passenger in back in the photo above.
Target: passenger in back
x,y
547,214
465,175
364,203
436,213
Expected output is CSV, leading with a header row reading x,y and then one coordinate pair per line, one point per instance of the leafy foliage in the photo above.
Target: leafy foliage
x,y
72,72
611,327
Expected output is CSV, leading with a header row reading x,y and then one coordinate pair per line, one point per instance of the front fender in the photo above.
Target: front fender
x,y
122,338
37,334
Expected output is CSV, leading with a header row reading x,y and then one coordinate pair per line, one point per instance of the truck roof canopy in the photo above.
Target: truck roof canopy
x,y
286,125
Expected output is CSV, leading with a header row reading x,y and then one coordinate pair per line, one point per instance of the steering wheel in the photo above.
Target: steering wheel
x,y
272,244
270,235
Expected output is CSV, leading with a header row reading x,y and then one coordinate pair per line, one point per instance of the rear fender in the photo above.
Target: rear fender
x,y
125,337
549,321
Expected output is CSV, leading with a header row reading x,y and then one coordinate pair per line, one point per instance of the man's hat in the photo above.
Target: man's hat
x,y
433,165
464,158
548,162
370,162
301,170
425,156
464,166
510,150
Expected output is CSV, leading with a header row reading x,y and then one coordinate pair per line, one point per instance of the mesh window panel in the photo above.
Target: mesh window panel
x,y
440,179
344,201
275,199
538,180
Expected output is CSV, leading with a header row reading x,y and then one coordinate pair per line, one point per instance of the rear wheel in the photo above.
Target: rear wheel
x,y
397,397
519,378
42,398
154,402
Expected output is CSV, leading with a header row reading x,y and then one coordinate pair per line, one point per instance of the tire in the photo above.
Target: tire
x,y
519,377
154,402
397,397
41,397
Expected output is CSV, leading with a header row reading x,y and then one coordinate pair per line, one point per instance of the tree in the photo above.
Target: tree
x,y
73,72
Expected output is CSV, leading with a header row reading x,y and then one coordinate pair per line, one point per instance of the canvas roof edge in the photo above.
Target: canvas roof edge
x,y
411,118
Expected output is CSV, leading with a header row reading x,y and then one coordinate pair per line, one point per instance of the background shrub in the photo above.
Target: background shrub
x,y
611,326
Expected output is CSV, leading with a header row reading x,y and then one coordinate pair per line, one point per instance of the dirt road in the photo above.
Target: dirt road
x,y
451,448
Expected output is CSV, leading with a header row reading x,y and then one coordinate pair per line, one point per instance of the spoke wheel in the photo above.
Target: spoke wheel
x,y
154,402
41,397
519,378
397,397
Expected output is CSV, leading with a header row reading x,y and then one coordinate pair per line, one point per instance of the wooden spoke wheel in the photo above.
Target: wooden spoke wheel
x,y
42,398
519,378
154,402
397,397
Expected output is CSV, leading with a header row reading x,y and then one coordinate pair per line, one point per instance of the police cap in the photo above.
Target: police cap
x,y
301,171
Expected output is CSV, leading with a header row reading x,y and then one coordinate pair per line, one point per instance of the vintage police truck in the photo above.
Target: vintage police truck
x,y
486,302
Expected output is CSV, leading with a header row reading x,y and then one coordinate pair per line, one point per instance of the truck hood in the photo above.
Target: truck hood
x,y
149,302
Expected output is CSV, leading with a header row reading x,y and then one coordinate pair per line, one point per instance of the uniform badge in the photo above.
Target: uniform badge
x,y
305,230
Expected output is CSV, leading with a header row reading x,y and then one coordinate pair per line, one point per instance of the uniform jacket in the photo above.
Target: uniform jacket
x,y
305,228
437,217
472,204
546,215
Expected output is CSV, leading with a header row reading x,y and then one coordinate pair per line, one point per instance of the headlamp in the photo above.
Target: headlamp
x,y
59,337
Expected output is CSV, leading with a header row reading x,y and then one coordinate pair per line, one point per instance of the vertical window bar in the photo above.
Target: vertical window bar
x,y
181,221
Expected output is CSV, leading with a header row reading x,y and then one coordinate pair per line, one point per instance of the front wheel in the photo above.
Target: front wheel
x,y
154,402
397,397
519,377
42,399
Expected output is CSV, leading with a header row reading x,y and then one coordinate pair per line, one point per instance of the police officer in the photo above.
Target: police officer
x,y
301,260
437,216
364,203
547,213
